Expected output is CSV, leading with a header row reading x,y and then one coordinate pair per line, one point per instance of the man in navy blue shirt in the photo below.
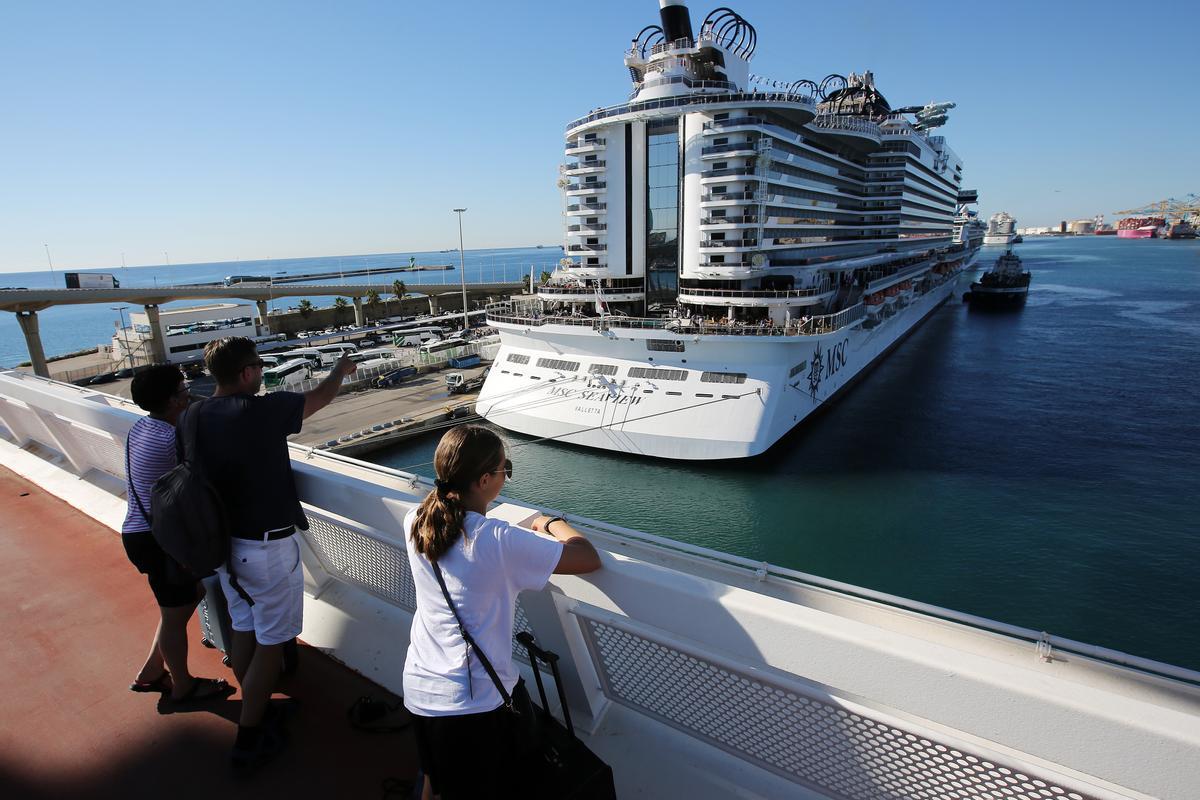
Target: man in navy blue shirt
x,y
242,443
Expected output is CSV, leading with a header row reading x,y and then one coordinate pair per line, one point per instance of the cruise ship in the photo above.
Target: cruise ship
x,y
1000,229
738,249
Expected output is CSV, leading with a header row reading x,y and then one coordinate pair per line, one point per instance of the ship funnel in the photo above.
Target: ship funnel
x,y
676,22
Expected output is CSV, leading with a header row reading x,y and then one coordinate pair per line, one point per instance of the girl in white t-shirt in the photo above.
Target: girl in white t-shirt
x,y
485,563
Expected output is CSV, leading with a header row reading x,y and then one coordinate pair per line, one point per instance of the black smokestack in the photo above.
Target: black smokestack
x,y
676,22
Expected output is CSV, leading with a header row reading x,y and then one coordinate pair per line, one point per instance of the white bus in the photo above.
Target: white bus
x,y
372,355
289,373
411,337
443,345
312,354
330,353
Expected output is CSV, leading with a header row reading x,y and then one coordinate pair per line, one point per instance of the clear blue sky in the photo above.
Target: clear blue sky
x,y
240,130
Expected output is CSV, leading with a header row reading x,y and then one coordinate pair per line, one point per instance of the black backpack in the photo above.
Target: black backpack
x,y
188,519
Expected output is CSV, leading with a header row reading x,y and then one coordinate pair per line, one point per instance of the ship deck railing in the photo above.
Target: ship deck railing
x,y
532,313
695,99
698,673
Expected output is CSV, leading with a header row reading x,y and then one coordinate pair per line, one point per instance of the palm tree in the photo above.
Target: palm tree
x,y
399,289
372,298
306,308
339,307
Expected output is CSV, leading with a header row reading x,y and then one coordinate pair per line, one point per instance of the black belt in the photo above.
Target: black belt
x,y
270,536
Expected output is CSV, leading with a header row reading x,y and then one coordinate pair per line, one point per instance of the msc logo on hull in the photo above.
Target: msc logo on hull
x,y
825,365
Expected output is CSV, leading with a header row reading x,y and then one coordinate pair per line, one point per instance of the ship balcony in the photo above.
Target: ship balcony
x,y
735,150
856,131
586,209
727,270
878,280
728,198
595,227
723,125
586,248
589,294
712,175
585,146
583,167
577,189
757,297
729,222
728,245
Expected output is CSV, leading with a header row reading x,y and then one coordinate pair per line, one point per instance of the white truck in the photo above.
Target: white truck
x,y
91,280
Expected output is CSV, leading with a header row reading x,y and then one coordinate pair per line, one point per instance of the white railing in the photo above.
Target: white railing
x,y
686,667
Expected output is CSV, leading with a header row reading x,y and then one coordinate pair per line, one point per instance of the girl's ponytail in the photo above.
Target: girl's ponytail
x,y
463,455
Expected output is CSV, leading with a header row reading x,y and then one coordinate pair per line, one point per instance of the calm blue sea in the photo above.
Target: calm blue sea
x,y
66,329
1040,467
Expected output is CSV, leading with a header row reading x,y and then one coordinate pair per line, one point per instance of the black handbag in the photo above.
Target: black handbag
x,y
551,762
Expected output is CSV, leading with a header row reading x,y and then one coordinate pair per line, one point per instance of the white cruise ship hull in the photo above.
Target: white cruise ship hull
x,y
786,380
998,239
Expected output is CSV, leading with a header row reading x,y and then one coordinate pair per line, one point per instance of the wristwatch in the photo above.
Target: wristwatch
x,y
550,522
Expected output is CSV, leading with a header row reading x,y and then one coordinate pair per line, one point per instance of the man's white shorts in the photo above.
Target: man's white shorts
x,y
271,574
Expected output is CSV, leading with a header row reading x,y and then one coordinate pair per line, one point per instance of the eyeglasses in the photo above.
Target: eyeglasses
x,y
258,362
507,470
183,389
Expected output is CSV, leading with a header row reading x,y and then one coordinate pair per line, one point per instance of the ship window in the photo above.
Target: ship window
x,y
592,220
603,369
590,179
723,377
721,116
658,374
558,364
722,140
675,394
721,165
591,157
593,240
796,370
720,212
730,396
716,259
665,345
593,262
703,395
719,189
517,358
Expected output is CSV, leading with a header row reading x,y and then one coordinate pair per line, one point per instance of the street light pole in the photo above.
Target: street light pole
x,y
51,263
462,269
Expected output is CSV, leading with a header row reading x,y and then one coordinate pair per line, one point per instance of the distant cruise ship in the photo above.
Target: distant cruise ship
x,y
739,249
1001,229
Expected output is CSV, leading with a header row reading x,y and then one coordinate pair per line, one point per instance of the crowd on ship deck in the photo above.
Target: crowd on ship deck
x,y
460,683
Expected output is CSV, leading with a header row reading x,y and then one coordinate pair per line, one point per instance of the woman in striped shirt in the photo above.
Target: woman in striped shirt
x,y
161,390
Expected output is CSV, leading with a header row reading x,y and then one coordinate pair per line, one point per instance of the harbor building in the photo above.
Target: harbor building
x,y
186,331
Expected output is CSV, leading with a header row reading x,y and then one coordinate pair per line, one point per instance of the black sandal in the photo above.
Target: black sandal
x,y
217,688
161,684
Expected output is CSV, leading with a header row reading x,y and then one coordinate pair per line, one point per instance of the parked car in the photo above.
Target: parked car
x,y
127,372
395,377
103,377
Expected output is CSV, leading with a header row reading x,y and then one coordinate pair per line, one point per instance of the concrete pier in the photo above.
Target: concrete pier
x,y
28,321
358,312
158,347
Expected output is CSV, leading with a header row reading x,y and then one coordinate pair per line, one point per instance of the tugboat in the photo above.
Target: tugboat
x,y
1004,285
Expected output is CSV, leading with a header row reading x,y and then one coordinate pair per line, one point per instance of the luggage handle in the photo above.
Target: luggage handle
x,y
537,654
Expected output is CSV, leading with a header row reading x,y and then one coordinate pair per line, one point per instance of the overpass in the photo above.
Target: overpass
x,y
25,303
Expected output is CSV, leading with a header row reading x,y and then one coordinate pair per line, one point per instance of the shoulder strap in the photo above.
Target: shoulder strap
x,y
132,487
191,433
483,659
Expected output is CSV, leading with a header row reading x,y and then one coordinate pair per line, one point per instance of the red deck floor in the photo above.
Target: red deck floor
x,y
76,620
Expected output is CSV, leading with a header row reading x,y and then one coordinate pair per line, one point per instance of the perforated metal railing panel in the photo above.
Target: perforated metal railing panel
x,y
103,451
366,562
810,740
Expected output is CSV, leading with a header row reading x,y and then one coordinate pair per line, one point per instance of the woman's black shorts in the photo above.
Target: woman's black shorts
x,y
466,756
173,586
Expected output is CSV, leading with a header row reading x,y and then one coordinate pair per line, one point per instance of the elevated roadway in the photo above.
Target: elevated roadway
x,y
25,303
